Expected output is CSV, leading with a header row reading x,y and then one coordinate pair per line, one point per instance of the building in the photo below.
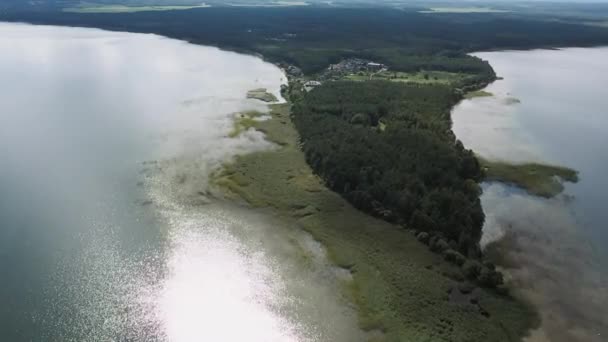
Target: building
x,y
311,85
375,66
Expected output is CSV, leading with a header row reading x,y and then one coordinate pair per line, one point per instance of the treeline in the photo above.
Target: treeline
x,y
313,37
387,147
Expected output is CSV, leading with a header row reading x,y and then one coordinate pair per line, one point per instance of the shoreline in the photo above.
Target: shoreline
x,y
536,178
294,211
541,247
370,321
396,300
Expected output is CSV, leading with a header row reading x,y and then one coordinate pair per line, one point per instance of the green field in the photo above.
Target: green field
x,y
424,77
270,4
403,291
464,10
537,179
95,8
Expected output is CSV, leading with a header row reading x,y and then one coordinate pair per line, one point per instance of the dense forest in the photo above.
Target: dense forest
x,y
314,37
387,147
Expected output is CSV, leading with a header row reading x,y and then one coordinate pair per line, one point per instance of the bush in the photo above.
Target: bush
x,y
423,237
454,257
439,245
471,269
489,278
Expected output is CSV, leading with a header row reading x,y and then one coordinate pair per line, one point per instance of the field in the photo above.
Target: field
x,y
94,8
424,77
403,291
270,4
464,10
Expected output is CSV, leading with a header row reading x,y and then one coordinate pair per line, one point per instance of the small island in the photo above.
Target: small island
x,y
537,179
261,94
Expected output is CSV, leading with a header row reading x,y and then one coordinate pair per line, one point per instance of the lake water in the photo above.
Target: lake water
x,y
108,229
551,107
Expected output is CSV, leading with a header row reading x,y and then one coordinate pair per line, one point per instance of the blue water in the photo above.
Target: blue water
x,y
551,107
108,229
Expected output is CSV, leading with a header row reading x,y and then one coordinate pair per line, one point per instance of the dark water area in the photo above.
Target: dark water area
x,y
551,107
108,231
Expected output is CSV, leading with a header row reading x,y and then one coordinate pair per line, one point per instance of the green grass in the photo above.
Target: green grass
x,y
270,4
464,10
399,287
477,93
95,8
422,77
537,179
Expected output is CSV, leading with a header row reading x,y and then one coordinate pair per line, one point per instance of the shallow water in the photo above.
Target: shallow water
x,y
108,229
551,107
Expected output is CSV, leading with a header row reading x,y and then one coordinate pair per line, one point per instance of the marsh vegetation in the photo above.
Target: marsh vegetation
x,y
261,94
477,93
391,270
537,179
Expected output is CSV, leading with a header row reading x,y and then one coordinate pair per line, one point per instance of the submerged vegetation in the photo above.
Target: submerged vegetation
x,y
536,179
244,121
403,291
262,95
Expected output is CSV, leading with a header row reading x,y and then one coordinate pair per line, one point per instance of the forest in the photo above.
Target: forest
x,y
387,147
313,37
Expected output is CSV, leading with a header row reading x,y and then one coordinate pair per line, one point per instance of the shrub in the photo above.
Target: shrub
x,y
471,269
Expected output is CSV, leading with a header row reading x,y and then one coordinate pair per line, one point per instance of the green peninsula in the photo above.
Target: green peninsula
x,y
403,291
477,93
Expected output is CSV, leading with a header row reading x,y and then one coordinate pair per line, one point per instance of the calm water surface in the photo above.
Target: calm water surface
x,y
107,228
551,107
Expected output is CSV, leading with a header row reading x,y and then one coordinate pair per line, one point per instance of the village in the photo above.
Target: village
x,y
338,71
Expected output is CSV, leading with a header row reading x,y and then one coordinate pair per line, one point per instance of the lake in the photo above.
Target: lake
x,y
109,228
551,107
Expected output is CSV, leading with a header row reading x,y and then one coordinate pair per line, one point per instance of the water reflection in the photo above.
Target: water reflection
x,y
553,249
107,229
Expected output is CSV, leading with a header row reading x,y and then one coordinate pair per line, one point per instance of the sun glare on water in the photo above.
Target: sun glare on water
x,y
216,290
